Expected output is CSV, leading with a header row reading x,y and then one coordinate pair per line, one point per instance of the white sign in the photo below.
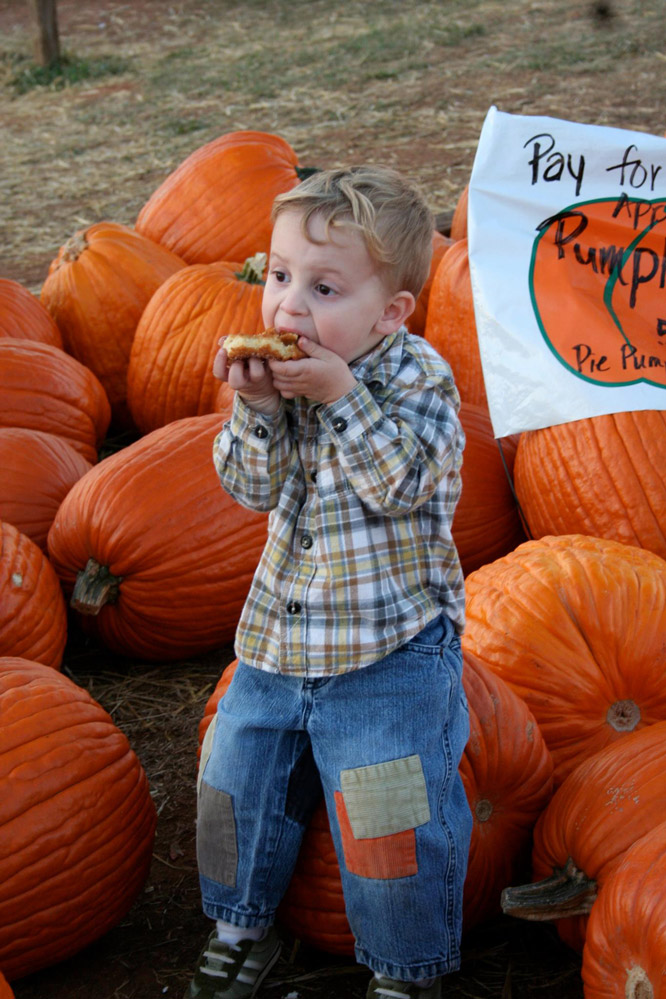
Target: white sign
x,y
567,252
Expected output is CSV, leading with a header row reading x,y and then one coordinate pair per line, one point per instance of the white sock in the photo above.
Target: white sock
x,y
228,933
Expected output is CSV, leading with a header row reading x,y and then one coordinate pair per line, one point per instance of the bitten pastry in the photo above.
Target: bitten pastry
x,y
283,346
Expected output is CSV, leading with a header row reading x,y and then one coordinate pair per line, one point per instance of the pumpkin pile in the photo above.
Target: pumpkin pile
x,y
111,513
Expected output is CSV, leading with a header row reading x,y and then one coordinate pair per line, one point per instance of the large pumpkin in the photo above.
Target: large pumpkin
x,y
417,321
170,372
96,289
507,774
217,204
157,556
624,956
487,522
33,615
43,388
76,819
576,626
459,220
5,988
604,806
23,317
38,470
451,323
605,476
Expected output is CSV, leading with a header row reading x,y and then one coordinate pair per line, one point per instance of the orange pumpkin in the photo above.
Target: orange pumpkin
x,y
451,324
575,625
487,522
417,321
97,287
624,956
77,821
605,805
157,556
170,372
605,476
33,615
5,988
38,470
507,774
24,317
43,388
459,221
217,204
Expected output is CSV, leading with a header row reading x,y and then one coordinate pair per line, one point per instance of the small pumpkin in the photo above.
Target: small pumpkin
x,y
575,625
24,317
77,821
33,614
605,805
38,470
451,323
417,321
624,956
170,372
459,221
216,205
603,475
43,388
156,557
97,287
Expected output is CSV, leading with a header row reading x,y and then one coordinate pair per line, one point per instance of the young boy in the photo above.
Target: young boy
x,y
349,669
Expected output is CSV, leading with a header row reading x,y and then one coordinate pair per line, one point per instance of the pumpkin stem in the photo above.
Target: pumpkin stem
x,y
253,269
304,172
638,985
75,246
623,716
94,587
568,892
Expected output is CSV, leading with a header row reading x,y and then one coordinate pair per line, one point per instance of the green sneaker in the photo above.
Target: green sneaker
x,y
388,988
233,971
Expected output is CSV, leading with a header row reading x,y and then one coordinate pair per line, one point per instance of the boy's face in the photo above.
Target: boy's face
x,y
328,291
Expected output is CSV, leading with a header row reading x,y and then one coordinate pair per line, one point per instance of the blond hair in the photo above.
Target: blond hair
x,y
387,210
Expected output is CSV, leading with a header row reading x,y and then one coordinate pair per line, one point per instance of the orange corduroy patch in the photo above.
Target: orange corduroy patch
x,y
382,857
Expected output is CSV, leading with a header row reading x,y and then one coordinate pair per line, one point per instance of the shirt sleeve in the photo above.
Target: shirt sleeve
x,y
396,450
251,456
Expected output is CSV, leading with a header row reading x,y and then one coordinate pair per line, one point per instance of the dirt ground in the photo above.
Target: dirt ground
x,y
403,82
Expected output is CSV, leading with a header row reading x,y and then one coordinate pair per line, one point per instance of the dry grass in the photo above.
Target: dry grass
x,y
403,81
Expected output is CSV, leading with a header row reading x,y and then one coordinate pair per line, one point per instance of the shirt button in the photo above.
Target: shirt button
x,y
306,541
293,607
313,476
260,431
339,424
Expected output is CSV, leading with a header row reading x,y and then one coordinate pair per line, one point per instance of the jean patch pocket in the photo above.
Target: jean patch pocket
x,y
217,850
379,808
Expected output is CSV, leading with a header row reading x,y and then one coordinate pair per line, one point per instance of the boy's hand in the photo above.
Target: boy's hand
x,y
252,379
322,376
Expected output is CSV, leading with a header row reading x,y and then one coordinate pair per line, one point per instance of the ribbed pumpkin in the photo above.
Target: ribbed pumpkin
x,y
605,476
5,988
624,956
217,204
43,388
486,523
417,321
97,287
161,556
38,470
23,317
507,773
451,324
603,807
575,625
33,614
170,373
76,819
459,221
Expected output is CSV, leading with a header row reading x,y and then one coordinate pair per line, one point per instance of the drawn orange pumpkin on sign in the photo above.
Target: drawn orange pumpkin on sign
x,y
598,287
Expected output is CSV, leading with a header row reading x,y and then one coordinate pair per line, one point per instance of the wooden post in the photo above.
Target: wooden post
x,y
46,43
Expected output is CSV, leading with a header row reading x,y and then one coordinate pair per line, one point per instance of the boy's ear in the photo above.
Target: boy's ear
x,y
396,312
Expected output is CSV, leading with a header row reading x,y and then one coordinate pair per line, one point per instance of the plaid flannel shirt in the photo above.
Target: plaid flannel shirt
x,y
362,493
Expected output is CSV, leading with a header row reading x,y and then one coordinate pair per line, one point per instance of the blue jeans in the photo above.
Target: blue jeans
x,y
384,741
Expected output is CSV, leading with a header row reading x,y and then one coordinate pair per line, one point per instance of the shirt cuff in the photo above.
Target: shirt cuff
x,y
352,416
254,428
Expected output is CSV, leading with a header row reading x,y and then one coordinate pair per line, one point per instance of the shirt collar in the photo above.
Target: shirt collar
x,y
382,363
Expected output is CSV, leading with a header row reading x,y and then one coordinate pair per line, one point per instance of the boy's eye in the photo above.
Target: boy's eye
x,y
279,275
323,289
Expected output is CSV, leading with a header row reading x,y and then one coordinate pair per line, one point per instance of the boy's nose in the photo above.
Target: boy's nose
x,y
293,302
